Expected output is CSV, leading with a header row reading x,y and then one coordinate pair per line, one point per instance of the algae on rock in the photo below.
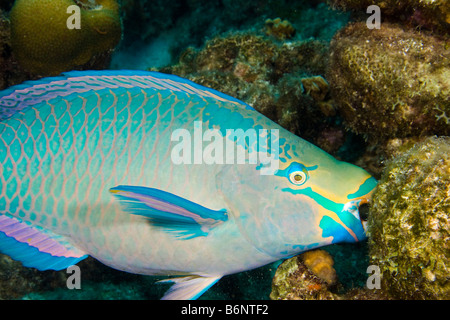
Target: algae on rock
x,y
294,280
432,14
391,82
268,75
409,222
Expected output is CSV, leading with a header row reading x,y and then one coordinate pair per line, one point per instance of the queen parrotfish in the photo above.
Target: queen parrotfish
x,y
130,167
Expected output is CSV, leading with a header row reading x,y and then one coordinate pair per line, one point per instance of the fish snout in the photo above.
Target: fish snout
x,y
359,209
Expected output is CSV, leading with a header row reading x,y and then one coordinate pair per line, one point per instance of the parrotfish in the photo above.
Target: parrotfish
x,y
130,167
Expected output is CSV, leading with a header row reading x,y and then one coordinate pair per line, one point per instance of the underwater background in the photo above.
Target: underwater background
x,y
376,97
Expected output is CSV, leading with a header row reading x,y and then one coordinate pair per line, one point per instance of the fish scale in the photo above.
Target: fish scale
x,y
85,145
88,165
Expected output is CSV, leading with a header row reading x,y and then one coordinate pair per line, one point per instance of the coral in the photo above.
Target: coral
x,y
44,45
330,139
295,281
316,87
365,294
376,154
320,263
391,82
268,75
433,14
156,34
409,222
279,29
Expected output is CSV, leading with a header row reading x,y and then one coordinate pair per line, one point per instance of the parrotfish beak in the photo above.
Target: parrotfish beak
x,y
363,206
348,222
364,211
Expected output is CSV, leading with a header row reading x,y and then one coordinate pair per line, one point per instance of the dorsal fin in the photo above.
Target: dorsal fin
x,y
32,93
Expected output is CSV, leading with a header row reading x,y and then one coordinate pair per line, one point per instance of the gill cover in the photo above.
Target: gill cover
x,y
276,222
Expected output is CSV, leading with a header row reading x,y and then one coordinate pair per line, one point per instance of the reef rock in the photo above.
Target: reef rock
x,y
432,14
16,280
280,80
391,82
300,278
409,222
311,276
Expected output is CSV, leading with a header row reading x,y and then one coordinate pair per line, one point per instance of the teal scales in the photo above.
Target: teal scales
x,y
86,168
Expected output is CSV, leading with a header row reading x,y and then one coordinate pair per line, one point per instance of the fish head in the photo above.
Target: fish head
x,y
310,201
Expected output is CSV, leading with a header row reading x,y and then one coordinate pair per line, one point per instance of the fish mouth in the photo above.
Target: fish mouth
x,y
360,208
363,210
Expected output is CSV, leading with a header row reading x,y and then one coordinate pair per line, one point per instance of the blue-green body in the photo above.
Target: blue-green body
x,y
90,161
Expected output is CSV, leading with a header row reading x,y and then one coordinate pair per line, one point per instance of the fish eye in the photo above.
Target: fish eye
x,y
298,177
297,174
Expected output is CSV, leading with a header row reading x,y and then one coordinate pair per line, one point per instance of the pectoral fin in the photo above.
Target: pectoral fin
x,y
178,216
188,288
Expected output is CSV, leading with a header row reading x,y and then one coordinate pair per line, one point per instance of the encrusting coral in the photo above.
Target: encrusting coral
x,y
43,43
294,280
279,29
431,14
278,79
391,82
409,222
311,276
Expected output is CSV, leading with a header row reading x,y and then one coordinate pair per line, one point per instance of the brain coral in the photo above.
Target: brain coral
x,y
43,43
